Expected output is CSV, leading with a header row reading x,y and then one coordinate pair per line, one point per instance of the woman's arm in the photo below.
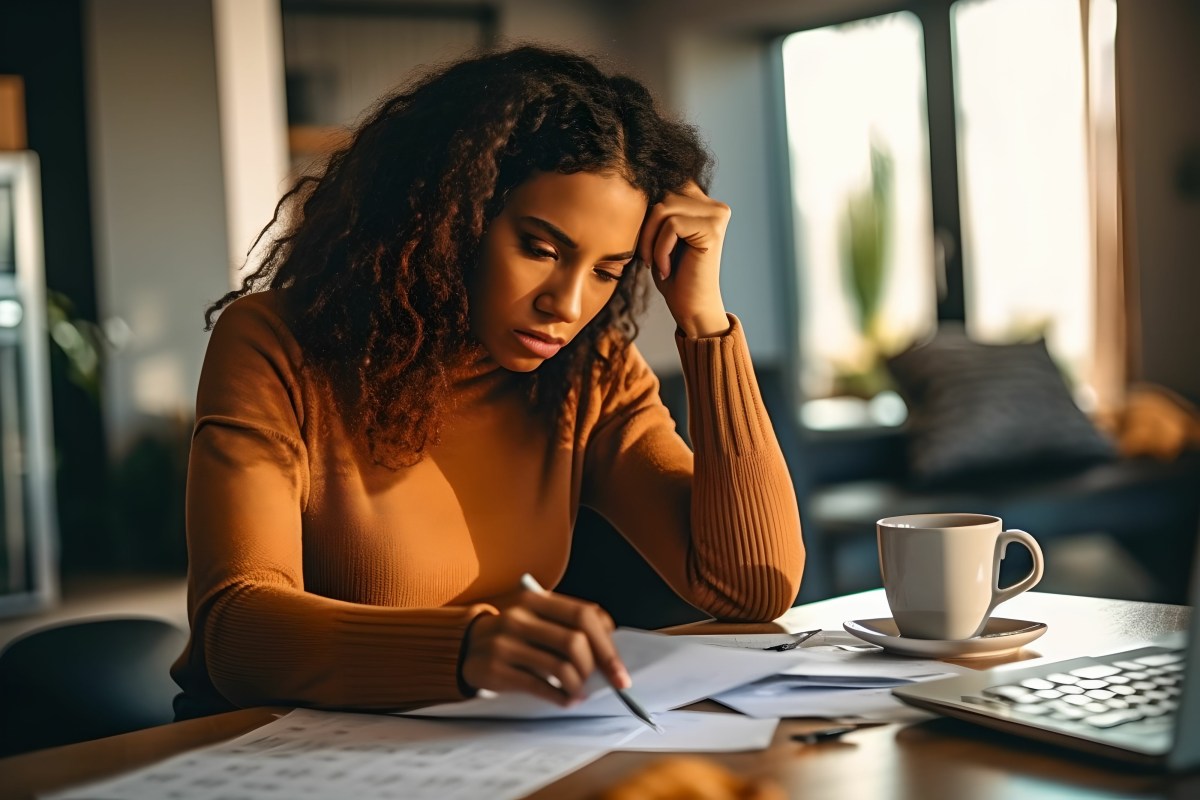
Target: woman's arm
x,y
722,526
257,634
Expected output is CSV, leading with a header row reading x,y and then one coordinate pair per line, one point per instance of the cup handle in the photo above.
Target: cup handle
x,y
1028,582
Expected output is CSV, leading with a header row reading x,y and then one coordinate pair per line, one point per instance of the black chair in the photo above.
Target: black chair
x,y
85,680
607,570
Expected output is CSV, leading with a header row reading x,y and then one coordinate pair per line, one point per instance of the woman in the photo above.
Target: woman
x,y
402,409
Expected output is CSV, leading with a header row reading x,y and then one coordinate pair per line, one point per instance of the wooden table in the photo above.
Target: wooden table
x,y
931,760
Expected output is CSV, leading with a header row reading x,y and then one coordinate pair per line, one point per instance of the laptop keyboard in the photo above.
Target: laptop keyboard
x,y
1103,695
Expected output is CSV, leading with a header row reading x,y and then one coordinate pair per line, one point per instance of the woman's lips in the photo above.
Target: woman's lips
x,y
539,347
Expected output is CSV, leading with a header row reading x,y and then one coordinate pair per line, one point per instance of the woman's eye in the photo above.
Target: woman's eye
x,y
538,250
605,275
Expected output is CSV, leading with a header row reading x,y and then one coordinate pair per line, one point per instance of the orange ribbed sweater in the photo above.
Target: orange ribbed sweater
x,y
318,578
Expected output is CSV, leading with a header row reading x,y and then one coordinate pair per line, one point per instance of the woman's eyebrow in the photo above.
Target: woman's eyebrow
x,y
563,239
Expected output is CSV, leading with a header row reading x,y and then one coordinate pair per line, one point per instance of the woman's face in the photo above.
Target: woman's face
x,y
550,261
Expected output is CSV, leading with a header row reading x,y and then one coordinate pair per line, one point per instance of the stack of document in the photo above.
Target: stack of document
x,y
672,671
834,683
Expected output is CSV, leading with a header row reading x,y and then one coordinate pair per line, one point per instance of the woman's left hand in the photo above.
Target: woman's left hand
x,y
681,242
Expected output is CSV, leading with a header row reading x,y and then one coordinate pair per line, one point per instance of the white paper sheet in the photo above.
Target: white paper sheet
x,y
666,672
825,666
314,755
744,641
778,698
705,732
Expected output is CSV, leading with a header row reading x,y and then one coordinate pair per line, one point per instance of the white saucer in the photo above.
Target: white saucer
x,y
1000,637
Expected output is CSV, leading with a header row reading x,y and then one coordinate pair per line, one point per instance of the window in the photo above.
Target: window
x,y
1022,148
859,152
944,122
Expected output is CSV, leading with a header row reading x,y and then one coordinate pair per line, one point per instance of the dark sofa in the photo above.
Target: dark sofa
x,y
852,478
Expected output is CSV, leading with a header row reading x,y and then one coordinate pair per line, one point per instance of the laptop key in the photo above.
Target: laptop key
x,y
1117,679
1143,686
1096,708
1122,690
1099,694
1060,707
1070,689
1137,675
1078,700
1161,659
1037,684
1092,684
1112,719
1095,671
1048,694
1127,665
1062,678
1116,702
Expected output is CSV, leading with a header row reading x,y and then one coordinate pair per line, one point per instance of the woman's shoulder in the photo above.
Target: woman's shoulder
x,y
263,309
258,319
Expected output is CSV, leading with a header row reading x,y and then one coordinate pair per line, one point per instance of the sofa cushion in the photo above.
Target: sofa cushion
x,y
983,408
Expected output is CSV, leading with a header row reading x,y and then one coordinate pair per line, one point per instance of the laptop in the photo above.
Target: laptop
x,y
1136,705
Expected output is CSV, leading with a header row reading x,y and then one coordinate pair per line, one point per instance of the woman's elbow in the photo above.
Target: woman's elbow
x,y
756,594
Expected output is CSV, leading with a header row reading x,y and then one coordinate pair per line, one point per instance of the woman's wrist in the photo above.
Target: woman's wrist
x,y
703,323
464,686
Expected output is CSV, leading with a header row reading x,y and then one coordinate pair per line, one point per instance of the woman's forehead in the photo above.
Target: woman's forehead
x,y
593,209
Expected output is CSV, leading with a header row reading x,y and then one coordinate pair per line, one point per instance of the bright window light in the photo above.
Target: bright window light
x,y
1022,144
855,94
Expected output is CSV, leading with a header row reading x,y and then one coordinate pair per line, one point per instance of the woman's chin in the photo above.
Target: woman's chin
x,y
522,364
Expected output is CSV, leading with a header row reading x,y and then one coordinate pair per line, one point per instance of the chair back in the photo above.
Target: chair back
x,y
85,680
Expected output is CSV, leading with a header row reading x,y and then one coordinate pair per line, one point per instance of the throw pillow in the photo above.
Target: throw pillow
x,y
976,408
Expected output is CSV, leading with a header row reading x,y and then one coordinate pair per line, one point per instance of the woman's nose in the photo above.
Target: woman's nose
x,y
562,296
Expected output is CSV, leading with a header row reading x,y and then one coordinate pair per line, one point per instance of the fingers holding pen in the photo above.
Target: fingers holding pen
x,y
588,634
503,656
544,644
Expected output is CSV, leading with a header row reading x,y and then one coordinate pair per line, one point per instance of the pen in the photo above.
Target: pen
x,y
828,734
797,640
529,583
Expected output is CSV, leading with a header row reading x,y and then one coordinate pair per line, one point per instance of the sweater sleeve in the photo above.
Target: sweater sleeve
x,y
257,635
722,527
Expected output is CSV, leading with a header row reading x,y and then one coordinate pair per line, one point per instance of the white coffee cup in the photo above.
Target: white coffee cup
x,y
941,572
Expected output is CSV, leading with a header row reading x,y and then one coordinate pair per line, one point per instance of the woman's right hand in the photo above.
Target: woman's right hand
x,y
545,644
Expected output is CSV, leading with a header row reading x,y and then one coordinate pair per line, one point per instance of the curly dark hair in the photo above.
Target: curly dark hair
x,y
372,252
